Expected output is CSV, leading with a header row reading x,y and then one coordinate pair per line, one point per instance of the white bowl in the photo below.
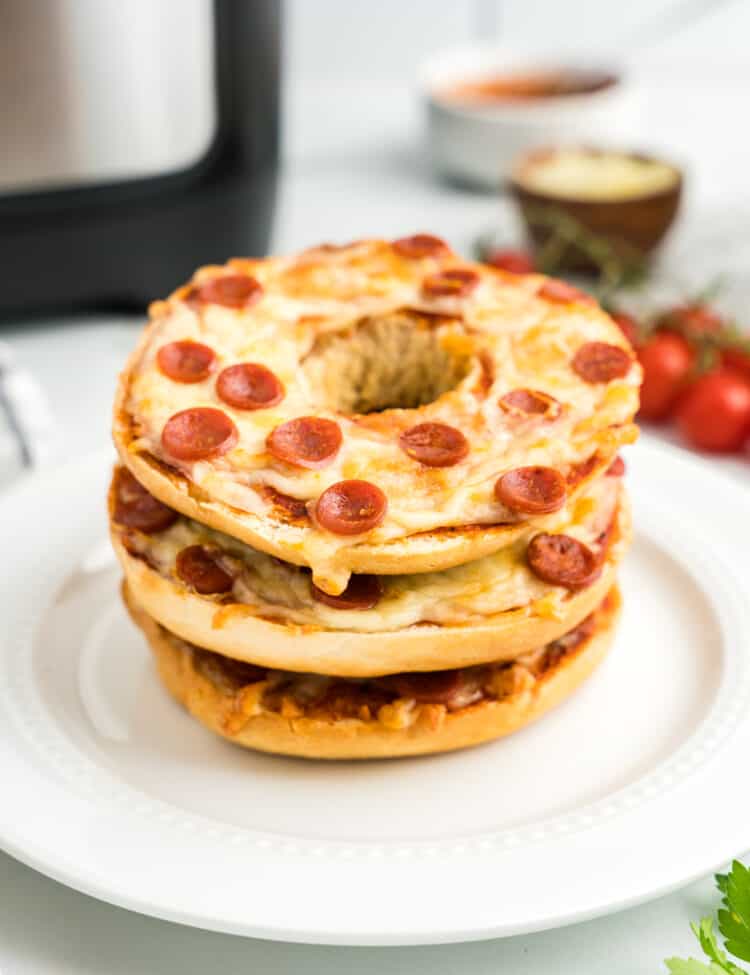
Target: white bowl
x,y
477,144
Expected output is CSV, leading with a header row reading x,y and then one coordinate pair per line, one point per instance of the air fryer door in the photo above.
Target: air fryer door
x,y
140,141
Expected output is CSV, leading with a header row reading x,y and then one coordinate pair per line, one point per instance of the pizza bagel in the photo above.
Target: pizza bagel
x,y
214,591
318,717
383,407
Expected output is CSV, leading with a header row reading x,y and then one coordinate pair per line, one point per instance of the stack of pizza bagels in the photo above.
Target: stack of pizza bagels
x,y
369,500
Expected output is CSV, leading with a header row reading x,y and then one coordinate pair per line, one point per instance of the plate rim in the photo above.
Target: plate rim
x,y
61,871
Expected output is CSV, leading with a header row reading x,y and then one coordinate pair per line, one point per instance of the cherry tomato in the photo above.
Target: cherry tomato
x,y
516,261
693,321
667,360
627,325
714,414
736,360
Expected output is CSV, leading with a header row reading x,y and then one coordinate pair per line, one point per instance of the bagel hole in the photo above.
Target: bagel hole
x,y
399,361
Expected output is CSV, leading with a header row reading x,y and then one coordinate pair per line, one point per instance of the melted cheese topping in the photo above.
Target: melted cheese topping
x,y
529,341
461,595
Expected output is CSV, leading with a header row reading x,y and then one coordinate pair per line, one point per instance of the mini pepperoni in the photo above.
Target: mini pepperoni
x,y
237,671
135,508
435,687
563,293
249,386
198,434
532,490
557,650
616,468
562,561
434,444
294,508
307,441
197,567
420,245
530,402
456,282
230,290
351,507
600,362
362,592
186,361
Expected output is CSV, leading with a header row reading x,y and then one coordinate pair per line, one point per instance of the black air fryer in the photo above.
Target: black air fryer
x,y
140,140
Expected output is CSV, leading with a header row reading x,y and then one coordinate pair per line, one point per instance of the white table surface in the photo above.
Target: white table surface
x,y
355,169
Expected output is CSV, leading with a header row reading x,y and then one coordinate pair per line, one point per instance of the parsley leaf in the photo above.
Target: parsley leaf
x,y
706,936
734,918
734,924
689,966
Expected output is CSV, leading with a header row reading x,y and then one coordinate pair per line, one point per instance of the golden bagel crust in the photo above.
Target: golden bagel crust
x,y
236,630
502,336
227,714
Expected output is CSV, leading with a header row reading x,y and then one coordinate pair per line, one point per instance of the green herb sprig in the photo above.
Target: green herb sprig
x,y
618,264
614,264
733,921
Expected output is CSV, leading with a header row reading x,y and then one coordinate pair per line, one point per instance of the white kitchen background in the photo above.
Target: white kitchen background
x,y
353,128
346,40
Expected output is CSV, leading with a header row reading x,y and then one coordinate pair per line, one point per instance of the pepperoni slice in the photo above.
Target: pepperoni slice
x,y
565,646
285,504
562,561
249,386
420,245
562,293
197,567
198,434
616,468
307,441
186,361
135,508
530,402
456,282
600,362
436,687
434,444
351,507
362,592
532,490
238,672
230,290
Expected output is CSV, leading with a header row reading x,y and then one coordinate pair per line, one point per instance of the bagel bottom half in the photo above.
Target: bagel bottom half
x,y
244,708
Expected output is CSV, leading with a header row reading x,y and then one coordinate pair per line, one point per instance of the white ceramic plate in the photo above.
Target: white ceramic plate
x,y
634,786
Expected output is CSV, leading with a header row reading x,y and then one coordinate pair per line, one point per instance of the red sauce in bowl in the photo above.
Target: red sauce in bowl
x,y
536,86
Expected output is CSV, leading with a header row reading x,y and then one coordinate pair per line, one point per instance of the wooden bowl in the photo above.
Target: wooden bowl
x,y
624,202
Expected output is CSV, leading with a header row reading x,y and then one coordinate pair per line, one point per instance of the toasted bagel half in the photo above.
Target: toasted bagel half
x,y
310,717
217,593
420,378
